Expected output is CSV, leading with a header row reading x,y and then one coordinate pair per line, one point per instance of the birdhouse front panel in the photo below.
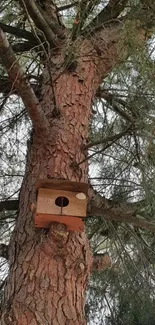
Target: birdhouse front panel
x,y
59,202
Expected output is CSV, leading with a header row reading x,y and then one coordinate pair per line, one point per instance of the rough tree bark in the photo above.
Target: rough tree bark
x,y
49,270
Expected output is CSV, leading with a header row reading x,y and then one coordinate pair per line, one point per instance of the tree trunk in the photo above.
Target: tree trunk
x,y
49,269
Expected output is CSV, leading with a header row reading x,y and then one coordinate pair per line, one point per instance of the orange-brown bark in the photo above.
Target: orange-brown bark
x,y
49,269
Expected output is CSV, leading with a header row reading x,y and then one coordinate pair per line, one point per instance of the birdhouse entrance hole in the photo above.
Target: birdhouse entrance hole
x,y
61,201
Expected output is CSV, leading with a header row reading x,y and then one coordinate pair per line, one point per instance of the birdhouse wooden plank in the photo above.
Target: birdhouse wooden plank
x,y
72,223
62,185
61,201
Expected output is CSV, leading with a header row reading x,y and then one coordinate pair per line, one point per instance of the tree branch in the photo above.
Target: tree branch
x,y
111,99
53,24
40,22
2,284
4,251
84,9
99,206
111,45
23,87
101,262
65,7
108,139
9,205
21,33
24,47
108,145
109,13
7,88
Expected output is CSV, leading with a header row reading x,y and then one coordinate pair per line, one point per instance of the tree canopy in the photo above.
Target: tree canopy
x,y
121,146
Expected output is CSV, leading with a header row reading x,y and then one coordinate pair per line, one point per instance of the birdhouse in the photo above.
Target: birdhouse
x,y
61,201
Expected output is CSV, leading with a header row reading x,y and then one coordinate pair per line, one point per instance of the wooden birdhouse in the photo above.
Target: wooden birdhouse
x,y
61,201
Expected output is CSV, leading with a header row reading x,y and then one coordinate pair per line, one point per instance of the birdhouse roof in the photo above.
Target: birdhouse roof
x,y
64,185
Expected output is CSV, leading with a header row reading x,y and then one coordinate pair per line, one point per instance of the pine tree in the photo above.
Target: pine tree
x,y
77,85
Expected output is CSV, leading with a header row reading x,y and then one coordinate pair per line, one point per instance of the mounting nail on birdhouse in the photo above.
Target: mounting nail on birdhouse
x,y
61,201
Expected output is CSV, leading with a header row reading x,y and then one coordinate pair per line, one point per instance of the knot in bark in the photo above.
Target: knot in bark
x,y
58,232
80,267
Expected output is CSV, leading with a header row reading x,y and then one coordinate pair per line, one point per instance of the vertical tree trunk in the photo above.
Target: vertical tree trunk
x,y
49,269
